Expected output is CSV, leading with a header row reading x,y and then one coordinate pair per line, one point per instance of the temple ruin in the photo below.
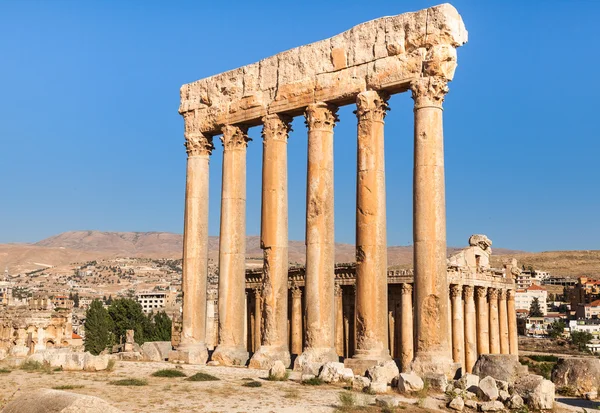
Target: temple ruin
x,y
413,52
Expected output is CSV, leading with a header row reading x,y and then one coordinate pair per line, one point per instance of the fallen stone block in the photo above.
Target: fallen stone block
x,y
537,392
493,406
457,404
388,402
278,371
56,401
409,382
505,367
579,373
487,390
384,371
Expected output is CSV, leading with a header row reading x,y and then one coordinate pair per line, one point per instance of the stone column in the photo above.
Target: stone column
x,y
470,329
257,319
483,321
339,321
274,242
503,321
296,320
192,347
320,243
406,336
494,326
458,324
513,339
232,249
371,242
433,352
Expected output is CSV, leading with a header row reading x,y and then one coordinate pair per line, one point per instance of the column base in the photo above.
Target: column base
x,y
190,354
435,362
230,356
315,355
267,355
362,360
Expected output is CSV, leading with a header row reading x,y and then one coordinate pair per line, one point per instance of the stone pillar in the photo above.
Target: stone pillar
x,y
483,321
339,321
232,249
513,339
274,242
470,329
192,347
494,326
391,328
503,321
296,320
371,243
406,336
40,344
257,319
320,243
433,352
458,324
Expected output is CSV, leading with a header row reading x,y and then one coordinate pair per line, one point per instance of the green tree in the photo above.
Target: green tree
x,y
127,314
581,339
76,300
557,329
535,310
161,327
98,328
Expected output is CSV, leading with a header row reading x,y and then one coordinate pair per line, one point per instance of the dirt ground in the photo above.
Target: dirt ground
x,y
179,395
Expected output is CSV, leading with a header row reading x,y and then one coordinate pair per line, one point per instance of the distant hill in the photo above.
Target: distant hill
x,y
561,263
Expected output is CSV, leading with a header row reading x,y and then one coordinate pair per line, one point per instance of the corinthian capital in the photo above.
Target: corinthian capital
x,y
321,115
276,127
468,291
455,291
429,91
372,105
407,289
198,144
481,292
511,295
502,294
235,137
492,293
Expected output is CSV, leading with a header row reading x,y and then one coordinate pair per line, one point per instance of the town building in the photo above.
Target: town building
x,y
155,301
588,311
524,298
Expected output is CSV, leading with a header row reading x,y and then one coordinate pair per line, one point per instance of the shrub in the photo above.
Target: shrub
x,y
129,382
347,400
275,378
552,359
252,384
315,381
68,387
111,365
31,365
169,373
4,371
202,377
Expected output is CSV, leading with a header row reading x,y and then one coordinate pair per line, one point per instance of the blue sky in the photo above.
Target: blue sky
x,y
90,137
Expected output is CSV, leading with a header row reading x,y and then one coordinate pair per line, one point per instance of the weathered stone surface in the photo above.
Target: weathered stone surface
x,y
537,392
384,53
515,402
493,406
387,401
378,387
471,404
502,385
156,350
360,383
468,382
409,382
488,391
278,370
55,401
457,404
503,395
333,372
70,360
591,395
505,367
384,371
311,368
436,381
580,374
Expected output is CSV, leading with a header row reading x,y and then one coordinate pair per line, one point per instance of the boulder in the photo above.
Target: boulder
x,y
332,372
505,367
95,363
487,391
384,372
388,402
431,403
493,406
502,385
156,350
378,387
471,404
591,395
457,404
56,401
359,383
409,382
515,402
306,377
70,360
311,368
469,382
578,373
537,392
278,371
503,395
436,381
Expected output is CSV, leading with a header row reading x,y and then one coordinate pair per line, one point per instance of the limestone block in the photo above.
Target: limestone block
x,y
469,382
388,402
311,368
378,387
130,356
502,385
347,375
278,370
580,374
471,404
503,395
515,402
493,406
505,367
333,372
150,352
432,403
488,391
383,372
3,354
409,382
441,61
359,383
457,404
591,395
436,381
55,401
95,363
306,377
536,391
445,26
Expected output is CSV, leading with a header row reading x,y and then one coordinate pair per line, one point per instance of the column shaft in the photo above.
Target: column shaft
x,y
339,321
483,321
470,329
232,249
494,325
503,321
274,242
320,243
433,350
296,321
371,243
458,325
192,347
406,336
257,319
513,338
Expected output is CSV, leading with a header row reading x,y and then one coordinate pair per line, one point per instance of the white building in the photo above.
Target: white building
x,y
524,298
155,301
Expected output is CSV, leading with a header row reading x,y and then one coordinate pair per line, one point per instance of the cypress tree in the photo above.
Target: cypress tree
x,y
98,326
